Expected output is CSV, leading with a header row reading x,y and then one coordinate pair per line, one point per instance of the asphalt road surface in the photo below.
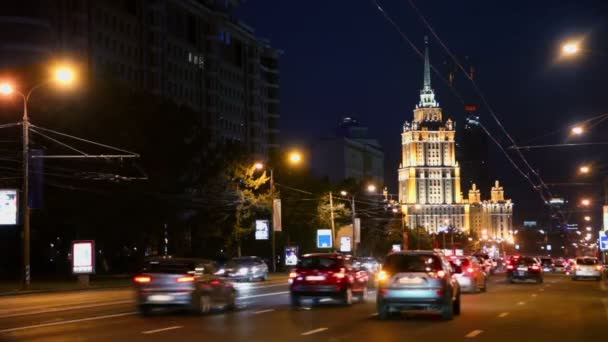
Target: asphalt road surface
x,y
557,310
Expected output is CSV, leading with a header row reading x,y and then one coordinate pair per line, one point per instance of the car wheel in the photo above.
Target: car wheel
x,y
383,311
204,304
347,297
363,295
456,305
447,312
144,310
295,301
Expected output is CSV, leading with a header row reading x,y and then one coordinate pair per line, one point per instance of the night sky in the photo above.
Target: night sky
x,y
343,58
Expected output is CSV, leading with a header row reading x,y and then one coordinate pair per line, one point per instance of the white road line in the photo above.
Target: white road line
x,y
67,308
541,290
263,311
313,331
161,330
521,303
473,333
264,295
373,315
534,295
67,322
325,300
605,301
245,287
504,314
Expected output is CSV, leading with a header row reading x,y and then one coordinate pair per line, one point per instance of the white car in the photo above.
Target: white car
x,y
587,267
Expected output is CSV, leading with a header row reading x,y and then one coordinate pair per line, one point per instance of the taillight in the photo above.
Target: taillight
x,y
292,275
382,276
599,268
142,279
509,267
470,270
340,274
185,279
535,267
440,274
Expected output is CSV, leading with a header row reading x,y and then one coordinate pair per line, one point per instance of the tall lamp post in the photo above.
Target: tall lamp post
x,y
294,158
64,76
371,188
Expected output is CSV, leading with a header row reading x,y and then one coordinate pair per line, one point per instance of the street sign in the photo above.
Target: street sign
x,y
345,245
8,207
261,230
396,248
324,239
604,243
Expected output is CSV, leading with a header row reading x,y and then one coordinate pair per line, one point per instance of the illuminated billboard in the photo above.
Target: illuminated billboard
x,y
261,229
83,257
8,207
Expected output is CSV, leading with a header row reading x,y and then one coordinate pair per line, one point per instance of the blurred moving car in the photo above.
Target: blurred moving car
x,y
524,268
327,275
587,267
181,282
371,265
472,278
547,264
486,263
246,268
559,266
418,281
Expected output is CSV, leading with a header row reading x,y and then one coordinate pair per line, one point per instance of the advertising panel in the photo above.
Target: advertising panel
x,y
291,255
83,257
261,230
8,207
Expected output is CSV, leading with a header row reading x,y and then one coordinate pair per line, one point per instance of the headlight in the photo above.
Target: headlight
x,y
220,271
382,276
254,269
243,270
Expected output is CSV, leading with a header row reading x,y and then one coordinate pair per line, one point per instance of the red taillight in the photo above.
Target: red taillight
x,y
470,269
535,267
215,282
440,274
185,279
340,274
509,267
440,292
142,279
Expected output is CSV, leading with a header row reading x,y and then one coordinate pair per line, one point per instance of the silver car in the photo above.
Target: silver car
x,y
417,281
587,267
246,268
473,278
182,282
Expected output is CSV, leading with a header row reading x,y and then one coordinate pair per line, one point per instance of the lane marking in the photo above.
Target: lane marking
x,y
373,315
325,300
263,311
246,287
313,331
161,330
473,333
504,314
541,290
68,322
534,295
521,303
264,295
67,308
605,301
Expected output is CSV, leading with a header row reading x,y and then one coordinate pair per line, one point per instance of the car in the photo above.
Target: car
x,y
327,275
524,268
417,281
245,268
587,267
486,263
559,266
547,264
182,282
472,278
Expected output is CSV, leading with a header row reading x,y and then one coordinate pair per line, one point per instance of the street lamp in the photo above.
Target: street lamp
x,y
584,169
371,188
570,48
586,202
295,157
63,75
587,218
577,130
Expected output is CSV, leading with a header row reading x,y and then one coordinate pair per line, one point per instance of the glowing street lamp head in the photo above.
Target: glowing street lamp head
x,y
343,193
584,169
258,166
577,130
586,202
295,157
371,188
587,218
570,48
6,89
64,75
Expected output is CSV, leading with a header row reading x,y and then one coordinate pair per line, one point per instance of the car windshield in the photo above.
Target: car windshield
x,y
546,261
526,261
242,262
586,261
170,267
412,263
320,262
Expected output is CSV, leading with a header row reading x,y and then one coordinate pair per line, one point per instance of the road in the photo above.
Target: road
x,y
557,310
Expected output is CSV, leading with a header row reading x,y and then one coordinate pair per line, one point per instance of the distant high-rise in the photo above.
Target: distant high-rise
x,y
474,157
193,52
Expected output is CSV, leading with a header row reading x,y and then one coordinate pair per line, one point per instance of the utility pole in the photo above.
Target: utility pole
x,y
274,259
26,196
331,214
353,214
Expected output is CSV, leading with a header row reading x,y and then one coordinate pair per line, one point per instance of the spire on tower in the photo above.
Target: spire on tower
x,y
427,96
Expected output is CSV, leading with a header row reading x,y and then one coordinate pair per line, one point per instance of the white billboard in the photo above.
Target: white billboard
x,y
8,207
261,230
83,257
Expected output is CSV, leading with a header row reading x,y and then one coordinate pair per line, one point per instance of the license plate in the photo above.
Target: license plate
x,y
315,278
521,273
410,280
160,298
522,268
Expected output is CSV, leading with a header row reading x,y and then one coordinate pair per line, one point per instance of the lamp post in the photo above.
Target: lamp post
x,y
62,75
351,198
293,157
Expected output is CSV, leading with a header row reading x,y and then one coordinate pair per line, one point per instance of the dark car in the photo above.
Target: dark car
x,y
547,264
247,268
418,281
327,275
185,283
524,268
